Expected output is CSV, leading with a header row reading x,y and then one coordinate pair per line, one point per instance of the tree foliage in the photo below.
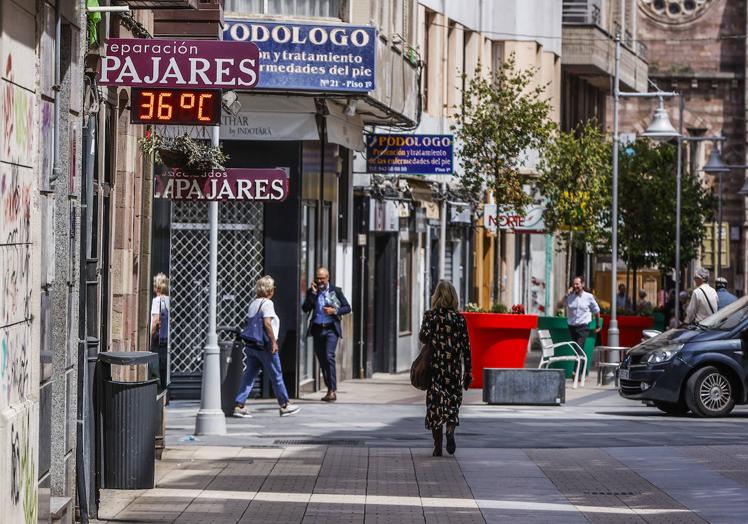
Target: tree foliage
x,y
647,193
502,118
575,181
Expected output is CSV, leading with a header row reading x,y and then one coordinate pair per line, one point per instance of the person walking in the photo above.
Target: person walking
x,y
444,329
160,328
580,306
703,299
724,297
325,304
622,299
266,358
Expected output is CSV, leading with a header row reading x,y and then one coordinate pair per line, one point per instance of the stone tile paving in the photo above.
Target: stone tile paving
x,y
356,484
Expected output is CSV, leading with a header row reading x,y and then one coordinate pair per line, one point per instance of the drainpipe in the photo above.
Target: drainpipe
x,y
56,171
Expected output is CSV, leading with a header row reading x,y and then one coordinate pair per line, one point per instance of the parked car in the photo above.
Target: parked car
x,y
702,368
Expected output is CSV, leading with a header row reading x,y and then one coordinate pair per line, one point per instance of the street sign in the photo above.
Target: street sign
x,y
196,64
175,106
530,220
233,184
310,57
409,154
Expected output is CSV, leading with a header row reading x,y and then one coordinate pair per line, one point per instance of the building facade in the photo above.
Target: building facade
x,y
698,49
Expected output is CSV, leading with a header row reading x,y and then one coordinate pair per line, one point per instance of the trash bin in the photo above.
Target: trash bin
x,y
232,367
128,416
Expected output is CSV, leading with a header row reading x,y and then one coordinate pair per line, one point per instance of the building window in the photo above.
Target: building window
x,y
405,268
318,8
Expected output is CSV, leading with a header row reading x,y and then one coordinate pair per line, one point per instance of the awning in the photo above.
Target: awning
x,y
283,118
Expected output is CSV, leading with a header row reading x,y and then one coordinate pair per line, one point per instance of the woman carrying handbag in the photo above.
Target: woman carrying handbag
x,y
445,331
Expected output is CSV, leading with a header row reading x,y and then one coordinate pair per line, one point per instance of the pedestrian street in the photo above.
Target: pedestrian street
x,y
367,458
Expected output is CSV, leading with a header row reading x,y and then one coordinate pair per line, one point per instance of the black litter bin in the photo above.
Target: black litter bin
x,y
232,367
127,414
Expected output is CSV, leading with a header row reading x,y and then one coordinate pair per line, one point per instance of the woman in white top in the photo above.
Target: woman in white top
x,y
160,325
256,357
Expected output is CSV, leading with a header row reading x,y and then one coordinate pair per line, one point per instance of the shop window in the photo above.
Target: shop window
x,y
319,8
405,281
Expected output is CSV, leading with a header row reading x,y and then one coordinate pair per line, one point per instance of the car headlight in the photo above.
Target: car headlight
x,y
664,354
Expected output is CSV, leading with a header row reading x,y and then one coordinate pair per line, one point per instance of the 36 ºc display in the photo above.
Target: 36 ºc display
x,y
200,107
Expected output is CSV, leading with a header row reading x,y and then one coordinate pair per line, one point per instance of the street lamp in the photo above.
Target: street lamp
x,y
660,129
715,166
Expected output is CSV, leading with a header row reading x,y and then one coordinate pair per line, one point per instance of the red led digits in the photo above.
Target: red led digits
x,y
201,107
175,106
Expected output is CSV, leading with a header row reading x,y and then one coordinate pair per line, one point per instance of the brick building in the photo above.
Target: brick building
x,y
698,48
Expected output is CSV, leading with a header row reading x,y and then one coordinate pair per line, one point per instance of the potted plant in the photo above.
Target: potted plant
x,y
498,339
630,326
183,152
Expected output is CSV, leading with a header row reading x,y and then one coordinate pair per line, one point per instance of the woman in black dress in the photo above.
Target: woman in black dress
x,y
445,330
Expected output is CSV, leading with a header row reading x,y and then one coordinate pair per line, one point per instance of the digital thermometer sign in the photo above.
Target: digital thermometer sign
x,y
200,107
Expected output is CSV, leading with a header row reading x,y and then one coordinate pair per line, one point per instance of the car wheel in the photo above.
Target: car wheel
x,y
709,393
672,408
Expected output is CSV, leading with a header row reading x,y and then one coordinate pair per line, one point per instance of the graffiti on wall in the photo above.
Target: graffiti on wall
x,y
15,371
17,119
23,490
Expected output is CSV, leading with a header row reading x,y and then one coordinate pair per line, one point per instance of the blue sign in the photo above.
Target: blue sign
x,y
310,57
410,154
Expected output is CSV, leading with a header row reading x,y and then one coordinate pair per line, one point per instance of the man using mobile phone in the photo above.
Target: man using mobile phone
x,y
325,304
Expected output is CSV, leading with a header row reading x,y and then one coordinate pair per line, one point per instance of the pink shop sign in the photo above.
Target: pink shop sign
x,y
226,185
196,64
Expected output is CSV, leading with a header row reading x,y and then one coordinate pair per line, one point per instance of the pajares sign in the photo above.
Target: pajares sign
x,y
269,185
207,64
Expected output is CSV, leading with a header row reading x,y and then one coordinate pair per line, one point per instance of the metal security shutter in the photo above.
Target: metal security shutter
x,y
240,264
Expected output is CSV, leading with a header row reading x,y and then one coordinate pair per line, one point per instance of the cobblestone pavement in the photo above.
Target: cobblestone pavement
x,y
599,458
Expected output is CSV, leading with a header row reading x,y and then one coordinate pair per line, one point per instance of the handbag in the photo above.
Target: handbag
x,y
420,370
254,333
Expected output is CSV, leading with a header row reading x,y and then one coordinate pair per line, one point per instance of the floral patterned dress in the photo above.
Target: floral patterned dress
x,y
446,331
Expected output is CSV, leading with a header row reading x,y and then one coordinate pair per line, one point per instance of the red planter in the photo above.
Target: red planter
x,y
498,341
630,329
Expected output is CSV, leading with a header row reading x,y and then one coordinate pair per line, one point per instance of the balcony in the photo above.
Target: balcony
x,y
158,4
588,50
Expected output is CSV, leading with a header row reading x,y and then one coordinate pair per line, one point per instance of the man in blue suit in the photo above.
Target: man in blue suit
x,y
325,304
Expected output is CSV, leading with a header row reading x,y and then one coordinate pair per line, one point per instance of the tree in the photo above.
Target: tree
x,y
647,184
502,118
575,180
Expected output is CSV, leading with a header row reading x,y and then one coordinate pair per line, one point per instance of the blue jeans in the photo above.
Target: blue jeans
x,y
254,359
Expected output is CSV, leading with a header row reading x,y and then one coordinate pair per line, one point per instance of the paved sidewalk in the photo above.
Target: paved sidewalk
x,y
367,458
329,484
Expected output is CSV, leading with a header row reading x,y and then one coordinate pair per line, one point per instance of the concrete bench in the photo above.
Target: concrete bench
x,y
524,386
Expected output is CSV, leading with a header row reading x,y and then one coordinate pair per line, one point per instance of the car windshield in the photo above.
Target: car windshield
x,y
729,317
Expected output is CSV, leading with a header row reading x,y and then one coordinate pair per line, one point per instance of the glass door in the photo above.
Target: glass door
x,y
306,264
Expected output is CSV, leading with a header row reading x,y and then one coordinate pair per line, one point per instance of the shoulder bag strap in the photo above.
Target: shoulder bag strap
x,y
707,300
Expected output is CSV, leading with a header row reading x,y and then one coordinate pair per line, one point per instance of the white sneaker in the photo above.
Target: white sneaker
x,y
288,409
241,412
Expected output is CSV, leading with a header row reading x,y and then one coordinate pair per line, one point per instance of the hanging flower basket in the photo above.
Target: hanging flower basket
x,y
183,152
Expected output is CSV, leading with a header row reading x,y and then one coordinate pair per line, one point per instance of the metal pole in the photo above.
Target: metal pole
x,y
613,328
443,235
210,418
718,267
362,321
678,177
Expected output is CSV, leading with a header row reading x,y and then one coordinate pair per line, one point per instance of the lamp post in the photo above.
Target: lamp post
x,y
660,129
715,166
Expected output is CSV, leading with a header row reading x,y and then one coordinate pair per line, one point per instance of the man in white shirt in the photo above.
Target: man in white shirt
x,y
580,305
704,300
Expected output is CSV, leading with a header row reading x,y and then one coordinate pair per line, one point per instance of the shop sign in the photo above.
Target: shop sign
x,y
409,154
530,220
195,64
225,185
310,57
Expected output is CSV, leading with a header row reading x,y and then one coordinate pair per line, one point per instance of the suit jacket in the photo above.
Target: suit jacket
x,y
310,303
